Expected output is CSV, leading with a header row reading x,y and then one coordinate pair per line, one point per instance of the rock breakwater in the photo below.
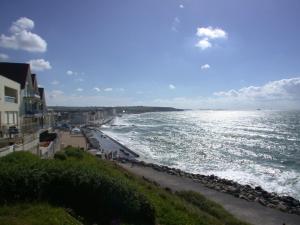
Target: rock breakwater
x,y
255,194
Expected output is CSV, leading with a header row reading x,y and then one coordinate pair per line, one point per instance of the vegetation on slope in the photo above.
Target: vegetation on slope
x,y
101,192
35,214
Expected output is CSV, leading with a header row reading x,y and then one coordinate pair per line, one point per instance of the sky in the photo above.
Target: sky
x,y
233,54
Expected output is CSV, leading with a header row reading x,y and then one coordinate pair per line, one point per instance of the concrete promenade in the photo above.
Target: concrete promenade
x,y
108,145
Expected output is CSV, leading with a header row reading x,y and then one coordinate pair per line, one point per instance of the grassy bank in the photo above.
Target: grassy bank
x,y
35,214
101,192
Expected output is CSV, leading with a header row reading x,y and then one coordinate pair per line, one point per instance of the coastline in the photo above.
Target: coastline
x,y
245,192
251,212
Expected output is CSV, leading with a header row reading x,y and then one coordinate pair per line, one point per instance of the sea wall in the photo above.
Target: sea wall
x,y
257,194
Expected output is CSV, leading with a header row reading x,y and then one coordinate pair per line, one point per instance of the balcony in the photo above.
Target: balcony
x,y
33,113
32,96
10,95
10,99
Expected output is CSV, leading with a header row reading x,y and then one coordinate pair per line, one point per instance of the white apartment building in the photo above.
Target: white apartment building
x,y
23,109
9,105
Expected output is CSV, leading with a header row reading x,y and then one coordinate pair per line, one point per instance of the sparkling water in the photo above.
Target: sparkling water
x,y
250,147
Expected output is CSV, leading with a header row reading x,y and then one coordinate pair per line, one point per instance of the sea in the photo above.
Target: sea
x,y
259,148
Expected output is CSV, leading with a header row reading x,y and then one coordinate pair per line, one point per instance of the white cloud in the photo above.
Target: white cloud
x,y
203,44
97,89
55,82
207,34
181,6
108,89
22,24
70,72
3,57
205,66
171,87
121,89
54,93
39,64
79,89
175,24
280,89
281,94
22,38
211,33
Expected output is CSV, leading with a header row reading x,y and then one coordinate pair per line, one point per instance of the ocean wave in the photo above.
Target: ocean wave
x,y
251,147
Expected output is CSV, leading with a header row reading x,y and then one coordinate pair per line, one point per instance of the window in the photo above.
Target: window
x,y
11,118
11,95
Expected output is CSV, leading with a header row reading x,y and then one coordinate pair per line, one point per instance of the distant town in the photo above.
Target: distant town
x,y
28,124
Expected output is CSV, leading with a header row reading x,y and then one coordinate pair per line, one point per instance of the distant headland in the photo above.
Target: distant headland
x,y
116,109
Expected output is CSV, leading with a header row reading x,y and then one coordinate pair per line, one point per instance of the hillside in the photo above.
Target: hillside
x,y
97,191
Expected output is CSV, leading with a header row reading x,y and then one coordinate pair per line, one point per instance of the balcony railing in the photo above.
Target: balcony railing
x,y
33,113
32,95
11,99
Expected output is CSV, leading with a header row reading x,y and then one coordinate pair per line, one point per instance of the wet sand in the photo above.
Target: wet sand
x,y
73,140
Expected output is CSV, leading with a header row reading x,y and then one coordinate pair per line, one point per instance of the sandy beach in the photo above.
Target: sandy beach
x,y
77,140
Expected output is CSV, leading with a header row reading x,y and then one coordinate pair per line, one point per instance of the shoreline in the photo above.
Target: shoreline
x,y
251,212
286,204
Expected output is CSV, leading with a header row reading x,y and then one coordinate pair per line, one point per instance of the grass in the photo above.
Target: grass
x,y
35,214
75,171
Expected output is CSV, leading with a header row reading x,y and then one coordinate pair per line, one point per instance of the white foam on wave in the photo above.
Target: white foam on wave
x,y
132,143
211,143
285,183
119,121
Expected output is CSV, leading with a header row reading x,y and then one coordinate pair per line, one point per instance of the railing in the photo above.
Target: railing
x,y
32,95
24,143
11,99
33,113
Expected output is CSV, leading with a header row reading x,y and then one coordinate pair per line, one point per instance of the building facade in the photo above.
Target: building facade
x,y
9,106
23,108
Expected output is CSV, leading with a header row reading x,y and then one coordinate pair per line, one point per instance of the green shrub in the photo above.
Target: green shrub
x,y
101,191
60,155
19,157
74,152
79,185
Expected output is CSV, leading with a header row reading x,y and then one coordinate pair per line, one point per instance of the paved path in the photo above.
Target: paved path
x,y
108,145
251,212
